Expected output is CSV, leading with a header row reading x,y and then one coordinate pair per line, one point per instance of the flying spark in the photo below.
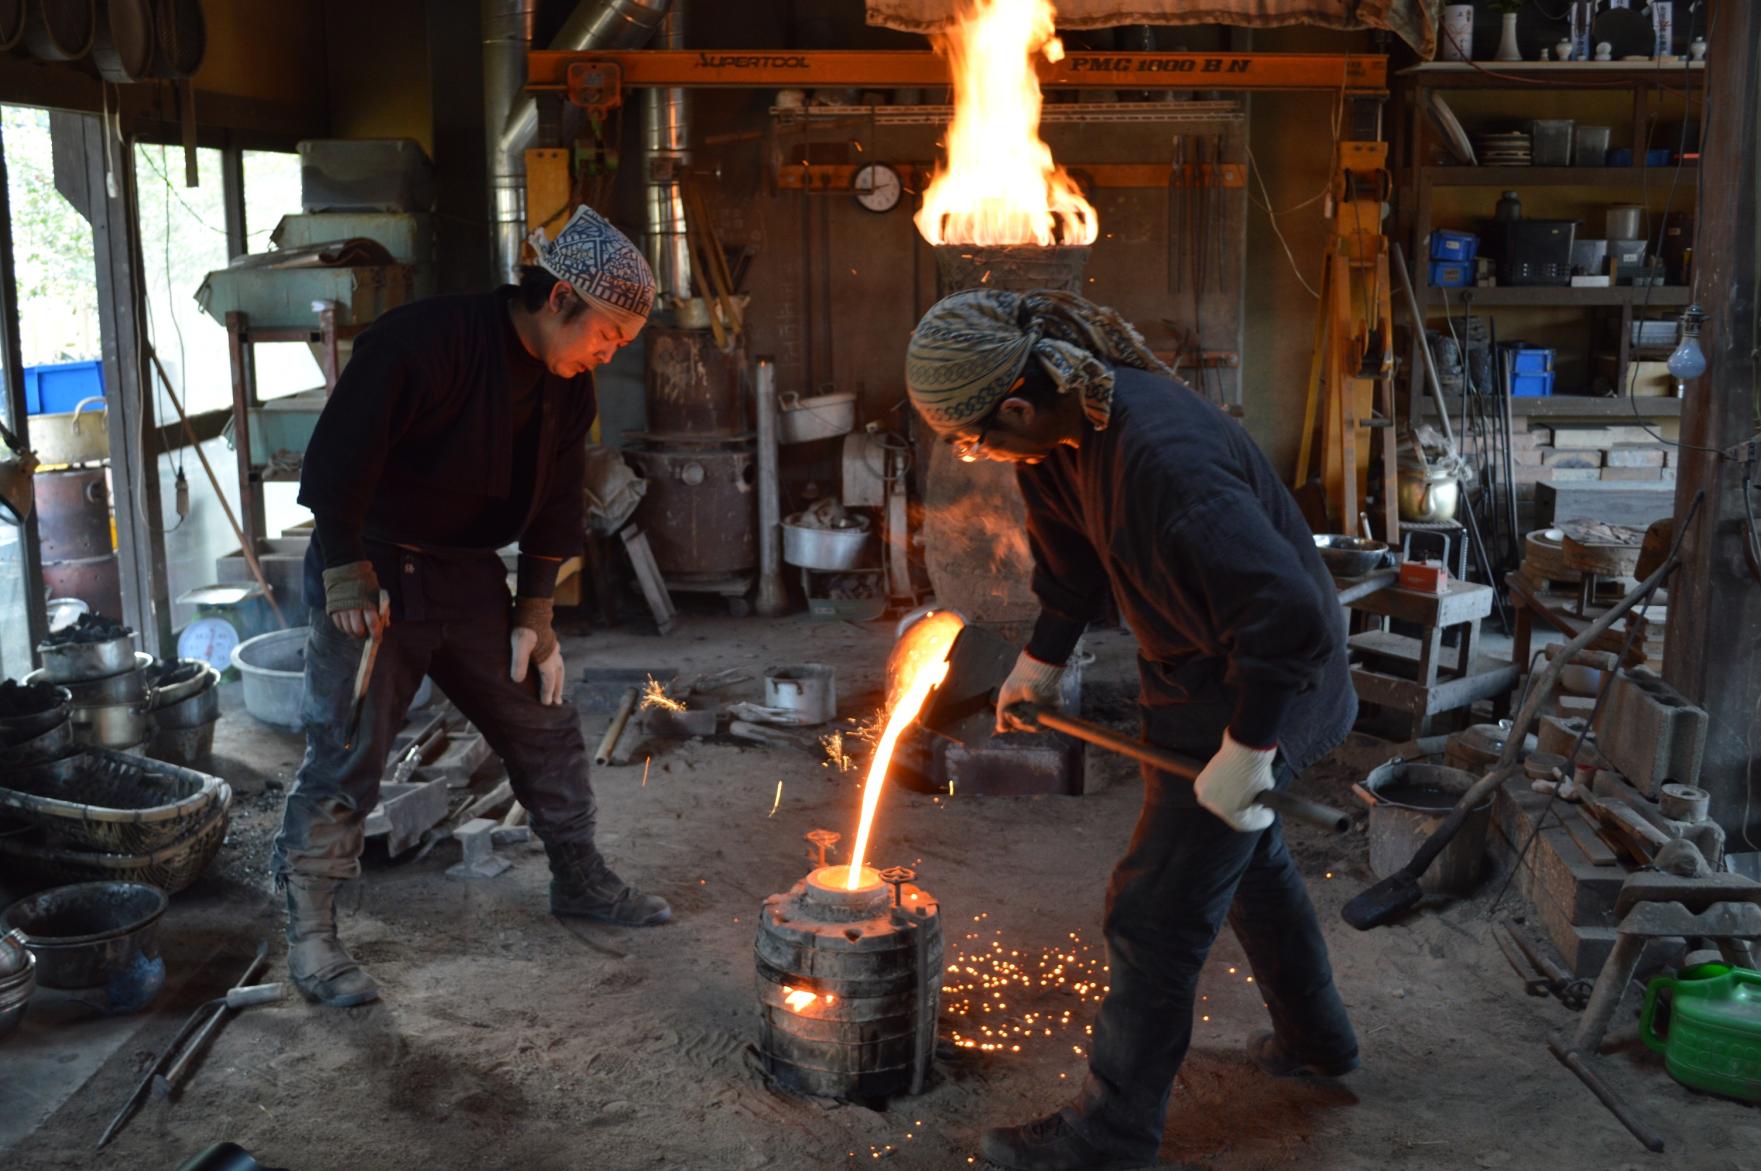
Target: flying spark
x,y
778,801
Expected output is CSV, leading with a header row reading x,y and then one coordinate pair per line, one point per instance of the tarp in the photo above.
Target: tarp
x,y
1413,21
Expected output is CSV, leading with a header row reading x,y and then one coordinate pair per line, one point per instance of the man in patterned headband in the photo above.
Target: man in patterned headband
x,y
1140,492
458,427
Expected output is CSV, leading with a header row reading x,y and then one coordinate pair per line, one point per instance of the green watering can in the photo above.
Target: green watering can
x,y
1713,1038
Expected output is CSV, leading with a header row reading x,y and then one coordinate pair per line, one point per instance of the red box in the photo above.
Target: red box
x,y
1425,577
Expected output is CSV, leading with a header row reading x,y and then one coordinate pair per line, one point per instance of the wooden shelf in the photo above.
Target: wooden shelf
x,y
1491,296
1578,406
1507,177
1530,75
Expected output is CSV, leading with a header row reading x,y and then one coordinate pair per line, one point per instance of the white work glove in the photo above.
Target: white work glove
x,y
1031,681
531,642
1229,783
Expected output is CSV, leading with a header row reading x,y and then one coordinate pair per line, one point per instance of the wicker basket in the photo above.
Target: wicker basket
x,y
37,864
115,803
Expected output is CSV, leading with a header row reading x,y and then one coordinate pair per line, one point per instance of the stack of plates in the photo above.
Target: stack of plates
x,y
1503,150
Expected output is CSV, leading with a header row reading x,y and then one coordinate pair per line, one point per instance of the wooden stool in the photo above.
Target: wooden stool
x,y
1408,675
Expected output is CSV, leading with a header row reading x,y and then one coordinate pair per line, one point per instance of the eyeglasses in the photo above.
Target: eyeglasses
x,y
967,450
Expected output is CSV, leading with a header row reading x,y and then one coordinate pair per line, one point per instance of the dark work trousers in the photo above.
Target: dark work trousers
x,y
467,657
1186,871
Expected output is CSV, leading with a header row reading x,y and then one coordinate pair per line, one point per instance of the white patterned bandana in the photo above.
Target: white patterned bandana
x,y
599,263
970,348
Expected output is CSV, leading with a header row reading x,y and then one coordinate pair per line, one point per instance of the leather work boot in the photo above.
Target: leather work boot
x,y
581,884
1267,1052
316,962
1051,1144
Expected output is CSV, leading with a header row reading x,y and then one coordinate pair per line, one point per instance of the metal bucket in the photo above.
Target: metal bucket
x,y
700,508
73,513
810,690
827,550
1410,801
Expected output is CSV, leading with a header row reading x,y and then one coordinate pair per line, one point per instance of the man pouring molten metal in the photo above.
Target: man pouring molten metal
x,y
1135,484
458,426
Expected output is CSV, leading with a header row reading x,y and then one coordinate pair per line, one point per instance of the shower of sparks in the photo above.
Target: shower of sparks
x,y
777,801
654,696
999,999
835,754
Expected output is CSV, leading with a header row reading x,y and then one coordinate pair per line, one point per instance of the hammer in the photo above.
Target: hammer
x,y
1287,805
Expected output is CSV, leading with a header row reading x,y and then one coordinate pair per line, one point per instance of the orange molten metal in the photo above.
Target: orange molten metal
x,y
1000,185
917,666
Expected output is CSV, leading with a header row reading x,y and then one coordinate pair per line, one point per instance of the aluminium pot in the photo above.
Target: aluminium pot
x,y
78,436
126,686
110,725
192,710
85,935
75,662
15,730
827,550
808,690
53,744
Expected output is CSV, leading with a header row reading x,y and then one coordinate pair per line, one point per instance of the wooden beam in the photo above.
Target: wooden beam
x,y
1715,613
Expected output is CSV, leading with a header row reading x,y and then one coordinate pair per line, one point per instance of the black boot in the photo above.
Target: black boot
x,y
582,884
320,968
1051,1144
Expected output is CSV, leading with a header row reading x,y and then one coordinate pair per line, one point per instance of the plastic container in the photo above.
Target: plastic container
x,y
1532,360
1451,245
61,387
1589,256
825,416
1550,140
1531,385
1449,275
273,667
1712,1038
1589,147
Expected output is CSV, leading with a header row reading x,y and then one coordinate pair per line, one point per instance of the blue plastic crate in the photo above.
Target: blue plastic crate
x,y
1532,360
1532,385
1447,274
1459,247
53,389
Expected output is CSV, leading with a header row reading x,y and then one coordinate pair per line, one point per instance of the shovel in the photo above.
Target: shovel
x,y
1286,805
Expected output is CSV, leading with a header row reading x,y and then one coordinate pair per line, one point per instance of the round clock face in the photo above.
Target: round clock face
x,y
209,639
878,187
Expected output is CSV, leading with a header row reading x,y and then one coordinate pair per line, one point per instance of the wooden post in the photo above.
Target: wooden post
x,y
1715,605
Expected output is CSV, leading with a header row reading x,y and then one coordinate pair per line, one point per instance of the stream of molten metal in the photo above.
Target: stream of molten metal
x,y
918,666
1000,185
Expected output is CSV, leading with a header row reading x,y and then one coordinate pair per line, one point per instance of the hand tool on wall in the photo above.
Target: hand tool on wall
x,y
1286,805
364,672
195,1020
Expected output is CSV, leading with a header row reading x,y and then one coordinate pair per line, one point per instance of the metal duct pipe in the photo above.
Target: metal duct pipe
x,y
666,142
772,599
510,115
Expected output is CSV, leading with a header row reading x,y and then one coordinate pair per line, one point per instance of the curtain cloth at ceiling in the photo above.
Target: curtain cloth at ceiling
x,y
1413,21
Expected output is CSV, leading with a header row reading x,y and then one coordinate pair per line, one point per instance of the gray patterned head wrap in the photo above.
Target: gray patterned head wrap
x,y
599,263
971,347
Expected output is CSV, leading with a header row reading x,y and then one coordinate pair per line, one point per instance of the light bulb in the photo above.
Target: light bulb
x,y
1688,361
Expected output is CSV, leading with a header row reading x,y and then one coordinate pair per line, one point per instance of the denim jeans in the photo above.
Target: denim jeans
x,y
467,657
1183,874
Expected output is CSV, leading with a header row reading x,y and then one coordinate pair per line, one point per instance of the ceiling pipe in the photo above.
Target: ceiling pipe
x,y
666,150
510,114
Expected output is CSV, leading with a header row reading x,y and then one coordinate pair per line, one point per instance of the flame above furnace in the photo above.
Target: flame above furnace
x,y
1001,186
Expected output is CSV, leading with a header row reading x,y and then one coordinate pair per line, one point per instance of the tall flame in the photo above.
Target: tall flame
x,y
917,667
1001,185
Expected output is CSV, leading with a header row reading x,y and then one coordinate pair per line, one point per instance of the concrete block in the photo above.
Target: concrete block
x,y
464,755
1667,475
404,812
1613,503
1557,734
477,846
1650,732
1669,457
1571,457
1531,473
1533,437
1528,456
1633,475
1573,475
1635,455
1601,437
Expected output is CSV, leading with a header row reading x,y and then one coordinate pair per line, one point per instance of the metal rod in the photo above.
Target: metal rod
x,y
772,599
1574,1061
164,1083
1418,325
1313,813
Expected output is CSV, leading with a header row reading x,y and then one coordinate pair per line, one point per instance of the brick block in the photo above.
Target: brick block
x,y
1531,474
1600,437
1635,455
1529,440
1572,475
1633,475
1527,456
1650,732
1572,457
1669,457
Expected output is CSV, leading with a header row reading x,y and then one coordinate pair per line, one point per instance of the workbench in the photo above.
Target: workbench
x,y
1409,675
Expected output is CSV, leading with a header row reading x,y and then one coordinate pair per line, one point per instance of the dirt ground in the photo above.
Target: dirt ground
x,y
506,1039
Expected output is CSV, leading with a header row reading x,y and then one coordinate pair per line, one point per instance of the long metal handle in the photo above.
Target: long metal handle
x,y
1418,325
180,1065
1323,817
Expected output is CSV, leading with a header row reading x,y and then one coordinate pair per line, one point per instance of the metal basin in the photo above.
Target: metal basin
x,y
16,729
86,935
1348,556
110,725
54,744
128,685
70,662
